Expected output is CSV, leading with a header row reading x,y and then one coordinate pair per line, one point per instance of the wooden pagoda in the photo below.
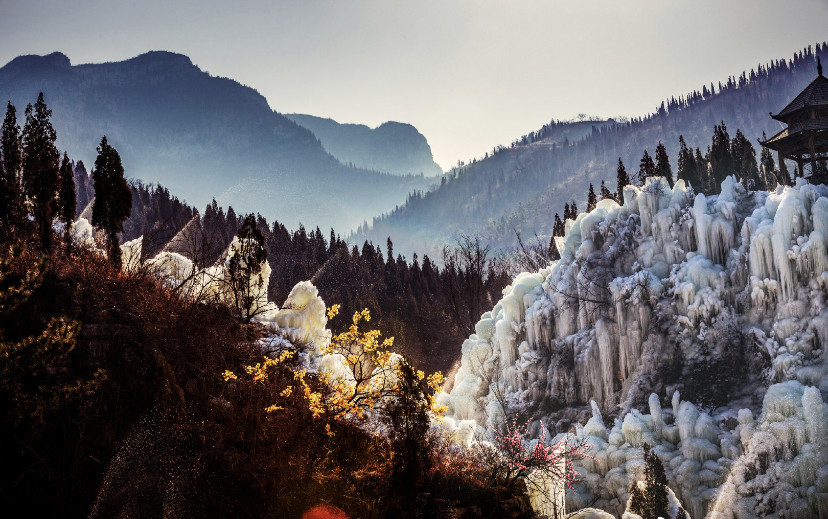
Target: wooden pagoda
x,y
806,135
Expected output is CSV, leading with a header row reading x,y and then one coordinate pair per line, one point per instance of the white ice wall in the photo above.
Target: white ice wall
x,y
633,284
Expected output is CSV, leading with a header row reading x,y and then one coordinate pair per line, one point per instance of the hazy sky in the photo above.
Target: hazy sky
x,y
469,74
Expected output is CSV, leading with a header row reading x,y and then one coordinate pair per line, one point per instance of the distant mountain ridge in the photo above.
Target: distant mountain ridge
x,y
202,137
521,187
392,147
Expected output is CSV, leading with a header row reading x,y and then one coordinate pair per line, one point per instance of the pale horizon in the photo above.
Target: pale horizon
x,y
468,75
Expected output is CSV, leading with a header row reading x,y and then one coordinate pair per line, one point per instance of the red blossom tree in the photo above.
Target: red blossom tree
x,y
510,458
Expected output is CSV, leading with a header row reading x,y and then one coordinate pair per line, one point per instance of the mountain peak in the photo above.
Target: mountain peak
x,y
162,57
392,147
35,61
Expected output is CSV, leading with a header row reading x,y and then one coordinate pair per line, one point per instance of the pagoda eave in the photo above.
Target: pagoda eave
x,y
799,144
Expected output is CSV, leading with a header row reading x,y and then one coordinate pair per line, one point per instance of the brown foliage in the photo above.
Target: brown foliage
x,y
165,435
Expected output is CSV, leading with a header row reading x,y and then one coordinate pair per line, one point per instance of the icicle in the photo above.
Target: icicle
x,y
815,416
655,412
702,224
608,352
686,420
676,403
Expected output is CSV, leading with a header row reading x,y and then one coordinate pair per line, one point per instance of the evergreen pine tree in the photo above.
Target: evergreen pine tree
x,y
720,158
656,480
232,221
552,252
592,200
67,204
41,165
606,194
646,169
751,177
737,152
244,269
768,167
113,198
638,503
573,211
567,213
687,169
703,171
11,193
623,180
559,229
662,166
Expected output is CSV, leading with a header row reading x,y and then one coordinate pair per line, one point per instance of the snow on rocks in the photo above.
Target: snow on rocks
x,y
83,234
673,279
785,461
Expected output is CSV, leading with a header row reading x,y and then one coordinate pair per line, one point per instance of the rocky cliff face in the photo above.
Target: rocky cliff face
x,y
695,324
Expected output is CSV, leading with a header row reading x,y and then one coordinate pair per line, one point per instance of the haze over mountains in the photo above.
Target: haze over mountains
x,y
203,137
391,147
523,185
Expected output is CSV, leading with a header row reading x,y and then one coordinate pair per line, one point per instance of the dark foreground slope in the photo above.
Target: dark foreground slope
x,y
391,147
201,136
524,185
114,402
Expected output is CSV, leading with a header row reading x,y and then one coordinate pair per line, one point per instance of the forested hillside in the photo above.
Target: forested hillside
x,y
427,307
522,186
202,137
126,365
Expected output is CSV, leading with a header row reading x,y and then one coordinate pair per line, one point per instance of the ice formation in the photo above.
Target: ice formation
x,y
131,253
212,283
645,293
300,324
82,233
590,513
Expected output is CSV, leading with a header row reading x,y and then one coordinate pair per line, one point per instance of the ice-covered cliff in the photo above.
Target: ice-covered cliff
x,y
695,324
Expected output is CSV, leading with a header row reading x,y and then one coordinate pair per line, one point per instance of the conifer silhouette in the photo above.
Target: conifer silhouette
x,y
646,169
244,269
662,165
592,200
606,194
656,479
768,167
687,168
113,198
67,203
41,164
720,158
559,229
623,180
11,194
552,251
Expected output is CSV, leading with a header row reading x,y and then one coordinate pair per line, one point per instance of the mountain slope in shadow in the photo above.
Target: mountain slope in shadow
x,y
392,147
201,136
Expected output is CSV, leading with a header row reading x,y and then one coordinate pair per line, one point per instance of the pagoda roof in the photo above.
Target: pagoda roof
x,y
814,95
797,143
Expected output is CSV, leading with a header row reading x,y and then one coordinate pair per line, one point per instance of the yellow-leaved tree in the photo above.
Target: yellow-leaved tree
x,y
363,376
